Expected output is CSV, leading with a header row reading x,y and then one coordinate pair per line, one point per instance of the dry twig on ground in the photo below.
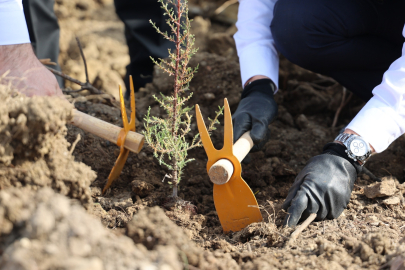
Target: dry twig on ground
x,y
47,61
342,104
224,6
72,148
301,228
371,175
84,86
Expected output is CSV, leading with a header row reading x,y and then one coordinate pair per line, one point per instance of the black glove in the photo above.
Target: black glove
x,y
323,186
256,110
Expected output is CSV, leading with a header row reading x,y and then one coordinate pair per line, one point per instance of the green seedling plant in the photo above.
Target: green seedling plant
x,y
168,136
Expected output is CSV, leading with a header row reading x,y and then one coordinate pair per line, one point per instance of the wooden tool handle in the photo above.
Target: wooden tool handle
x,y
102,129
222,170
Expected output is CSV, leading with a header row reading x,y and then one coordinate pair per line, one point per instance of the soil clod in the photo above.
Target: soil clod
x,y
385,188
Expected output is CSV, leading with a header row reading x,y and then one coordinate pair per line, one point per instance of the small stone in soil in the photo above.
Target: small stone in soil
x,y
141,188
302,121
209,96
179,204
382,189
392,201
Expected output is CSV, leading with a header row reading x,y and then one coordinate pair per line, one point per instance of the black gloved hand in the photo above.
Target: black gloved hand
x,y
256,110
324,186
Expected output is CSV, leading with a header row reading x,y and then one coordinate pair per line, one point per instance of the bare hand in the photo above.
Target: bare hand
x,y
26,73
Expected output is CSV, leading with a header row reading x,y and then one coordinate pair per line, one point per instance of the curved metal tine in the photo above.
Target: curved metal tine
x,y
228,128
123,111
116,170
205,137
132,98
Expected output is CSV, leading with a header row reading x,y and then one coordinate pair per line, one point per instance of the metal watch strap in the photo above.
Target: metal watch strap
x,y
343,137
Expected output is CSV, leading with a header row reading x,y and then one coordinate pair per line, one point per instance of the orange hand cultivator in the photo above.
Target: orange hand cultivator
x,y
122,158
234,201
126,138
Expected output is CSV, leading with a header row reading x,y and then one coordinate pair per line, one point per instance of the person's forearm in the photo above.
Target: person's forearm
x,y
254,41
17,54
25,72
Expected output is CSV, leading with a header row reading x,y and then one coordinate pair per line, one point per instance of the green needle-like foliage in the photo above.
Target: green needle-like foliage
x,y
167,136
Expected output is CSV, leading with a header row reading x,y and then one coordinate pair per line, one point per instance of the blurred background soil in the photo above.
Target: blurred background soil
x,y
52,213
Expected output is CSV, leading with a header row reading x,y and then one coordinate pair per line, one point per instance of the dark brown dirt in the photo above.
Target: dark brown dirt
x,y
368,235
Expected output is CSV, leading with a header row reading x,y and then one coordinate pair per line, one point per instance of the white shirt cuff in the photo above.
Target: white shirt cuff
x,y
259,60
13,28
378,124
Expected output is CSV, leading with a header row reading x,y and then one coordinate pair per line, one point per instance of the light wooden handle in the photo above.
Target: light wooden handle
x,y
102,129
222,170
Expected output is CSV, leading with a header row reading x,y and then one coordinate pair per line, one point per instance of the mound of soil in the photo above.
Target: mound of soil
x,y
152,228
45,230
34,151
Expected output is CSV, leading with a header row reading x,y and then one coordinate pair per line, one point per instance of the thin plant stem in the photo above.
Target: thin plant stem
x,y
175,94
168,137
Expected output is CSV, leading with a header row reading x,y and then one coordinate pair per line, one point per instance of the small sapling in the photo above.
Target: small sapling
x,y
167,136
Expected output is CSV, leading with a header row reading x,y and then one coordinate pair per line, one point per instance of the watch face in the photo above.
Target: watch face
x,y
358,147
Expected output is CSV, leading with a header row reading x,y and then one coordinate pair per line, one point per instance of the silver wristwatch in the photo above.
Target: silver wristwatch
x,y
356,147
